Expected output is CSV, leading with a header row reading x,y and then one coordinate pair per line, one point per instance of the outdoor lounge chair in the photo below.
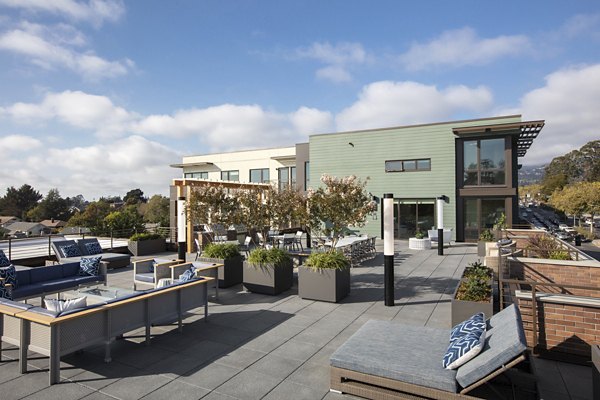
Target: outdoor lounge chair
x,y
115,260
150,271
388,360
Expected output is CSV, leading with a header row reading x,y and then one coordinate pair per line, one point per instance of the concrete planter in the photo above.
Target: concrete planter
x,y
481,248
231,274
463,309
146,247
419,244
268,278
324,284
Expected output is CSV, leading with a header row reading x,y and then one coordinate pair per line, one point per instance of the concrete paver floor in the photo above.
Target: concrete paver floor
x,y
273,347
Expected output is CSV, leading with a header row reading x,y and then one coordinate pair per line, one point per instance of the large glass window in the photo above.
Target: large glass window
x,y
484,162
196,175
230,176
306,175
283,178
259,175
481,214
411,216
423,164
293,176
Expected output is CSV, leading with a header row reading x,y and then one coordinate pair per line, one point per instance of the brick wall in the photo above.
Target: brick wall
x,y
562,328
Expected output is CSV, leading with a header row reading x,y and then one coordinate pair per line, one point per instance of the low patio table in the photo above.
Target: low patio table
x,y
97,294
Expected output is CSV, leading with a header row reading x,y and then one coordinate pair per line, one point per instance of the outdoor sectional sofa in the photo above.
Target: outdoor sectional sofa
x,y
388,360
54,335
114,260
42,281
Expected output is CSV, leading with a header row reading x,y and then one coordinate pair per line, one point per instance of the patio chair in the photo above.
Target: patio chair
x,y
288,241
246,246
262,242
151,270
388,360
298,241
198,249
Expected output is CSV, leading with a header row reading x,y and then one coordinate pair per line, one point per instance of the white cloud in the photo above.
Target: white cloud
x,y
387,103
337,58
569,102
77,109
581,24
308,121
93,11
102,169
54,48
17,143
460,47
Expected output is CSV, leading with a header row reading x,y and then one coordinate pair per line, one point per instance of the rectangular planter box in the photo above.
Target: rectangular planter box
x,y
462,309
146,247
324,285
232,272
268,279
481,248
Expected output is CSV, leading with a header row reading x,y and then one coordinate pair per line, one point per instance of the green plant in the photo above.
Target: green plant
x,y
138,237
419,235
333,260
559,255
500,222
261,256
476,284
487,236
224,251
585,232
543,246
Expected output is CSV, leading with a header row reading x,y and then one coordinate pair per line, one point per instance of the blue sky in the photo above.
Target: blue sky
x,y
98,97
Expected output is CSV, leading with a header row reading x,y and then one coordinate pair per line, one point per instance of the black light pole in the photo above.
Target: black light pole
x,y
388,248
181,231
440,222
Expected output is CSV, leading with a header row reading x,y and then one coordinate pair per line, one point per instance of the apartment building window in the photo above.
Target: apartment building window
x,y
196,175
306,175
421,164
283,177
484,162
259,175
230,176
293,176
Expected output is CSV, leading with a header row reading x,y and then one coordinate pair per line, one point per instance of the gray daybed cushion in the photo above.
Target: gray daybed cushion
x,y
504,341
411,354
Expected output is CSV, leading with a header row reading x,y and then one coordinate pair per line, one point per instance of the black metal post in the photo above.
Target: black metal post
x,y
181,250
440,242
388,254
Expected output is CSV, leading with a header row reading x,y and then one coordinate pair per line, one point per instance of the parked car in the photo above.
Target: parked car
x,y
562,235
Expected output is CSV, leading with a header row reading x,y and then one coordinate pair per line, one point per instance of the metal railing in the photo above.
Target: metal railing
x,y
534,291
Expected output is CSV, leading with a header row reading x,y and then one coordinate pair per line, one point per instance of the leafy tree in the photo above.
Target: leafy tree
x,y
52,206
156,210
18,201
551,183
338,204
78,202
134,196
578,199
92,217
287,207
578,165
125,222
213,205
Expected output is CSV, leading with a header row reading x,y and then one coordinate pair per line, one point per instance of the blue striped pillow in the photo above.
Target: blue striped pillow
x,y
475,324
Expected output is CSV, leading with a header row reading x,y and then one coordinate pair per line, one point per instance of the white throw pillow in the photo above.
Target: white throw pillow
x,y
61,306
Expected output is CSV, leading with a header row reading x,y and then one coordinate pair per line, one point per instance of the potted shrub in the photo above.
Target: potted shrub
x,y
268,271
325,277
473,294
143,244
419,242
229,255
485,237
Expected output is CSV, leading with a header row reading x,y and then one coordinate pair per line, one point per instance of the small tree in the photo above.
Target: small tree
x,y
578,199
287,207
212,205
156,210
124,222
339,203
254,209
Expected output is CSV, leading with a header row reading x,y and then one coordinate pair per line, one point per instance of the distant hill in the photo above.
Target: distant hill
x,y
531,174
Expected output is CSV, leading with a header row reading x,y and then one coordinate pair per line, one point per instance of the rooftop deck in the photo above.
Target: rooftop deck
x,y
274,347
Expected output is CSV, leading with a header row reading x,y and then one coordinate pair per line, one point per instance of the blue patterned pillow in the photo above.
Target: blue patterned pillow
x,y
9,275
89,266
5,293
93,248
475,324
4,261
463,349
70,250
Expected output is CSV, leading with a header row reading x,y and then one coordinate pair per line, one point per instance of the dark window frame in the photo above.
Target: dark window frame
x,y
479,170
306,175
190,175
229,175
262,175
415,160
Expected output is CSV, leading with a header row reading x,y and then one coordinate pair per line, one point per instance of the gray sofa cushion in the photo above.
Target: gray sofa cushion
x,y
30,290
43,311
406,353
23,276
505,340
58,285
81,280
84,249
70,270
44,274
146,277
15,304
